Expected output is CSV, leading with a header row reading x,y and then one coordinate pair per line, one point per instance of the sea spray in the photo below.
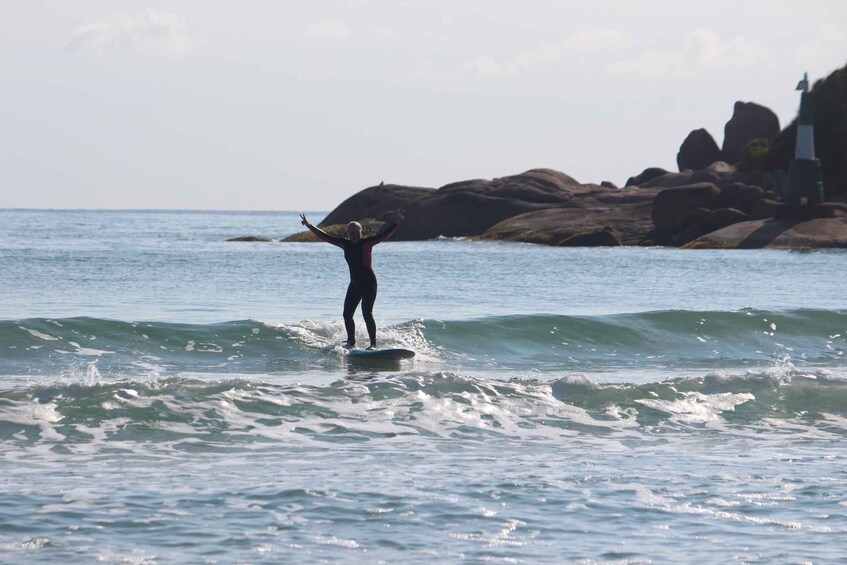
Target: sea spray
x,y
185,413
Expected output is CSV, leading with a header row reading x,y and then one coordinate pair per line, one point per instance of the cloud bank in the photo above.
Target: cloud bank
x,y
575,46
152,34
329,30
702,51
699,52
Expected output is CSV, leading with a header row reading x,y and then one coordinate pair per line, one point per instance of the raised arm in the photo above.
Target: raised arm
x,y
388,231
320,234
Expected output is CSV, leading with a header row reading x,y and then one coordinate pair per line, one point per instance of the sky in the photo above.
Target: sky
x,y
285,105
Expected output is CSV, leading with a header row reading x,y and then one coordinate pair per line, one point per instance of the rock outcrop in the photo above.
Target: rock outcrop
x,y
719,173
671,205
461,209
698,151
470,208
742,196
377,202
749,121
538,206
548,207
774,233
644,176
686,210
700,221
727,197
624,216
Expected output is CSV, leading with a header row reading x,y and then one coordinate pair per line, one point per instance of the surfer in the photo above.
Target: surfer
x,y
358,254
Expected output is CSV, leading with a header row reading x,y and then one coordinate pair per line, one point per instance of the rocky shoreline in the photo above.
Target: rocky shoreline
x,y
690,209
722,197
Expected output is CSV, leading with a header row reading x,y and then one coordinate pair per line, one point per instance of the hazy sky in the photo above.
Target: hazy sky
x,y
297,105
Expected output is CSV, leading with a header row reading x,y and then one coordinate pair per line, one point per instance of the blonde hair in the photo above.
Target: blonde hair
x,y
354,224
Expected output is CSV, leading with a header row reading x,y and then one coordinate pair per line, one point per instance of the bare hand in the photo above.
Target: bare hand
x,y
399,216
303,220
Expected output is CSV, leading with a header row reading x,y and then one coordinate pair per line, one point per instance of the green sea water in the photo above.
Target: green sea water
x,y
167,396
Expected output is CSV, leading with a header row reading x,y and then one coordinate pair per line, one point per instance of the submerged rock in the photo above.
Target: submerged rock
x,y
249,238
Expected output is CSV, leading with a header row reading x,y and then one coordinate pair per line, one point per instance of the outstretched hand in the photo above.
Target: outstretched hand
x,y
303,220
399,216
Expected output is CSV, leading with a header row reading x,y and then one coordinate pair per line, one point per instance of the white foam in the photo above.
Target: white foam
x,y
40,335
341,542
696,407
88,351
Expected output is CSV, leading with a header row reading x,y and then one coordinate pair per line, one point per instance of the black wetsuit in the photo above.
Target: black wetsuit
x,y
363,285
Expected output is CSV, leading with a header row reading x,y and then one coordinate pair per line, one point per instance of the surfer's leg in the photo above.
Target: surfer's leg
x,y
351,301
368,299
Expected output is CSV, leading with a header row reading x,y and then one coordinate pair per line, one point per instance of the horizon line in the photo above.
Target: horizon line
x,y
192,210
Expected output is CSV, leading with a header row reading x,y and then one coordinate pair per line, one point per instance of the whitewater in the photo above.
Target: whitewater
x,y
167,396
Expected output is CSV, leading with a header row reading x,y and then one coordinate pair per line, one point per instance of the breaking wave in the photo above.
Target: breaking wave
x,y
659,340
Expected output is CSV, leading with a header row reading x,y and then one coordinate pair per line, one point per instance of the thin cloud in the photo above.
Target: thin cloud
x,y
329,30
596,40
828,44
152,33
574,47
483,67
701,51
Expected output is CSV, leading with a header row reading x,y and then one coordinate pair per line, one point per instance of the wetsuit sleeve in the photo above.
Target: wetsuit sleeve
x,y
383,235
320,234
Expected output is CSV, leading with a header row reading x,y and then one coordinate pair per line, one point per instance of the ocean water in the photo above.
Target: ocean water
x,y
167,396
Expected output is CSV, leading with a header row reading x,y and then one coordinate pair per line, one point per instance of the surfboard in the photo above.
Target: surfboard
x,y
381,354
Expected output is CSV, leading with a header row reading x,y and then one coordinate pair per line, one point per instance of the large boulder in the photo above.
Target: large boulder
x,y
601,238
766,208
708,221
742,197
376,202
587,220
698,151
460,209
720,173
749,121
685,178
671,205
470,208
644,176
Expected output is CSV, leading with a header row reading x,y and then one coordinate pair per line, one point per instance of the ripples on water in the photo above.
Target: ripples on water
x,y
712,429
415,465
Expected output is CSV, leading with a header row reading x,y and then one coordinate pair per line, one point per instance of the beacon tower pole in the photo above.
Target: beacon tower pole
x,y
804,171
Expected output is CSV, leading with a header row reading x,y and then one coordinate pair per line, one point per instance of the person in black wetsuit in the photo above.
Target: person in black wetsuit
x,y
358,252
